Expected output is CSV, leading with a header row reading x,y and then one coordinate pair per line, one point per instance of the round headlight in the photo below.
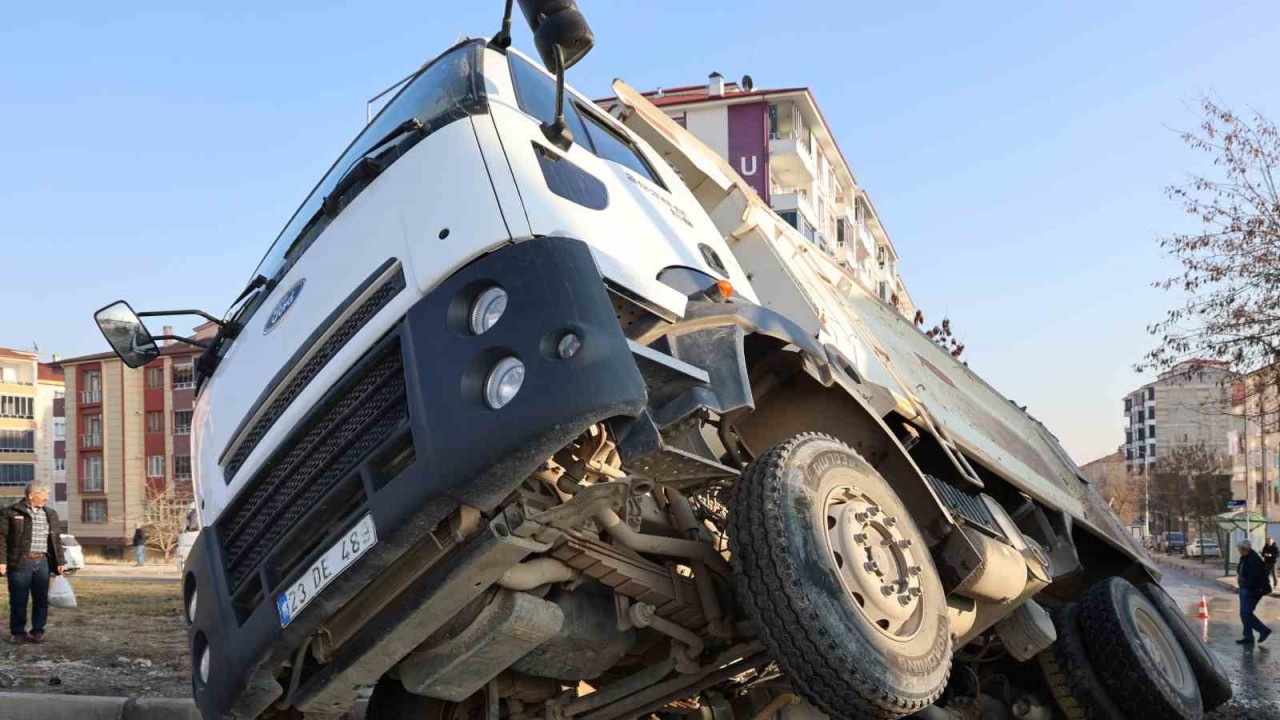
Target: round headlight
x,y
504,382
487,310
204,666
191,608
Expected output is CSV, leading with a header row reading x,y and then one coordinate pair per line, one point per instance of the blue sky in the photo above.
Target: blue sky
x,y
1017,152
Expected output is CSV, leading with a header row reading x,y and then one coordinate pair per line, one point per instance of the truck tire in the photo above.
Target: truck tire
x,y
1136,654
1078,692
1215,685
839,581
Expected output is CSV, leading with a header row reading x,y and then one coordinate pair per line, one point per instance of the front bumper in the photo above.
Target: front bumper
x,y
430,446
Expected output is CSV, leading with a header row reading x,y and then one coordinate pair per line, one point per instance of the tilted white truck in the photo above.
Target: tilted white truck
x,y
538,412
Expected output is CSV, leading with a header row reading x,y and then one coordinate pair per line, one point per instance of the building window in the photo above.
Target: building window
x,y
182,467
91,382
1128,437
91,481
1151,451
1151,413
1151,394
155,377
181,422
1128,405
94,511
60,464
17,406
92,437
1142,434
155,466
59,394
18,441
16,474
1151,432
59,428
184,377
1128,454
155,421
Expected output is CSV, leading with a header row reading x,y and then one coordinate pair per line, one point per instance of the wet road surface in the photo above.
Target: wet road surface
x,y
1255,672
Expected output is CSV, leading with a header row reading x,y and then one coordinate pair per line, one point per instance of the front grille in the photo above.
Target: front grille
x,y
314,364
971,507
355,420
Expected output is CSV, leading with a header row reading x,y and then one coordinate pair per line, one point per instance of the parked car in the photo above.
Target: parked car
x,y
1174,542
1203,548
73,554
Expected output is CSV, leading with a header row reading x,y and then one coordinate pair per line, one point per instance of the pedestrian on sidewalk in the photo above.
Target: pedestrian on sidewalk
x,y
139,544
1270,553
1254,585
30,550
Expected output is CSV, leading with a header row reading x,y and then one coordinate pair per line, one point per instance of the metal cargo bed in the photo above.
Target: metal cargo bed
x,y
909,374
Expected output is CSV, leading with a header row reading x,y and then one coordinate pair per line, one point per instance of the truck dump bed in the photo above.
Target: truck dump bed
x,y
982,430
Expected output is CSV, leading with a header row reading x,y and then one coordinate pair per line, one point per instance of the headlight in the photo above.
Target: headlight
x,y
568,346
191,609
204,666
504,382
487,310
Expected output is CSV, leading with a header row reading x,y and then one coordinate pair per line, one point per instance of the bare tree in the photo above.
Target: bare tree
x,y
164,517
1230,265
1189,484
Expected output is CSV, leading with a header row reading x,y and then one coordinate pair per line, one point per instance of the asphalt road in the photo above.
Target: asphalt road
x,y
1255,672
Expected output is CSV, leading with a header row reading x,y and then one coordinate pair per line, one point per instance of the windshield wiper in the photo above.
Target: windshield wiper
x,y
364,170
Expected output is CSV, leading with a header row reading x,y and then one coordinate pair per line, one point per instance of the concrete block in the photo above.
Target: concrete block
x,y
161,709
34,706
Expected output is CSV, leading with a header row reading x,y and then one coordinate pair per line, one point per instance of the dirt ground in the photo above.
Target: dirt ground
x,y
126,637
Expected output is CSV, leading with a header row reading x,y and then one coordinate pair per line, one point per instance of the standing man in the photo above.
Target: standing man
x,y
1270,553
139,544
31,550
1254,585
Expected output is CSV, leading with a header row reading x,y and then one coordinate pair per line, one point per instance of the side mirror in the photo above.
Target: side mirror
x,y
126,334
558,24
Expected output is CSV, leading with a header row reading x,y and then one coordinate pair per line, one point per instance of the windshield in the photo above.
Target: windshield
x,y
445,89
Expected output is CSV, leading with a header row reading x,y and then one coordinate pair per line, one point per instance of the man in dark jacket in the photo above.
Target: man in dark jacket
x,y
1270,553
30,550
1254,585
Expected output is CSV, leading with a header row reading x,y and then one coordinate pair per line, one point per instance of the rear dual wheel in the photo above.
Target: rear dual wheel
x,y
839,581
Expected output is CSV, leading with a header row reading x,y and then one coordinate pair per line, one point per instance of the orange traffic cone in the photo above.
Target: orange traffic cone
x,y
1203,612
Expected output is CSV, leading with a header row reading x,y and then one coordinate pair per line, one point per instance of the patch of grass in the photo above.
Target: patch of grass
x,y
140,599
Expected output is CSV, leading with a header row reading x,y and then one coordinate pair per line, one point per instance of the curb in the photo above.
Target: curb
x,y
1204,573
39,706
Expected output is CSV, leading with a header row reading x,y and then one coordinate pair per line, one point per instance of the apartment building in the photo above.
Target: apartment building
x,y
782,146
1189,404
1255,447
131,438
32,426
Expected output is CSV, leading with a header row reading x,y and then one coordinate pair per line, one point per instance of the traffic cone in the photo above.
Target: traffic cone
x,y
1203,612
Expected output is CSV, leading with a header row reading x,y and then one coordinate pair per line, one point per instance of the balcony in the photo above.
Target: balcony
x,y
90,397
783,199
91,441
790,159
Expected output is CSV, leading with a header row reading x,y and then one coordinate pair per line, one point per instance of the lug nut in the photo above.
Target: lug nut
x,y
860,538
871,566
915,570
904,543
874,510
888,589
861,517
914,592
904,599
890,521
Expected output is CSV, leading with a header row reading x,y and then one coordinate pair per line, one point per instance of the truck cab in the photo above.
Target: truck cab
x,y
529,411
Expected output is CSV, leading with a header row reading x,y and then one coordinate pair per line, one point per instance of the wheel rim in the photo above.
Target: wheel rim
x,y
1162,648
876,562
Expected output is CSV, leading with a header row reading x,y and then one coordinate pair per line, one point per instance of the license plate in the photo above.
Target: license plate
x,y
355,543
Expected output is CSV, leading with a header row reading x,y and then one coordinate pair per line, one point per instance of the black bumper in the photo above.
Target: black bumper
x,y
461,451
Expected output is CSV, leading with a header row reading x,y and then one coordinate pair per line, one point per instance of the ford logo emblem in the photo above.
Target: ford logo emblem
x,y
283,306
